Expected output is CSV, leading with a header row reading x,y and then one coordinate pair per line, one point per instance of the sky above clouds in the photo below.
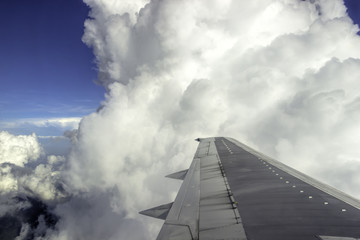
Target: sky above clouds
x,y
45,69
278,75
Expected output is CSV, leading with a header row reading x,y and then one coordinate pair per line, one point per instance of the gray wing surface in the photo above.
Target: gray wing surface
x,y
231,191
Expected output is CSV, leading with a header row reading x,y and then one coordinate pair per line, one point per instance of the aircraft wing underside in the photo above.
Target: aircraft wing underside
x,y
231,191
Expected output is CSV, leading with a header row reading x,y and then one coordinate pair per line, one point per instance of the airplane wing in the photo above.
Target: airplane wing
x,y
231,191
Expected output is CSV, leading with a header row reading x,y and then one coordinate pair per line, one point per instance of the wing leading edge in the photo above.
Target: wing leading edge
x,y
231,191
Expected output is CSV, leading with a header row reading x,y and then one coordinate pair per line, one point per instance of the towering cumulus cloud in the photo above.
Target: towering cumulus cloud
x,y
18,149
279,75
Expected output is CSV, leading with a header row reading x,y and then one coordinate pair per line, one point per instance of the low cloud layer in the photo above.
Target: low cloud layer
x,y
42,126
30,185
280,76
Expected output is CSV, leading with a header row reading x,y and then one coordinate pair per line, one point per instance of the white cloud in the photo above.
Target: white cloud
x,y
279,75
43,181
29,184
18,149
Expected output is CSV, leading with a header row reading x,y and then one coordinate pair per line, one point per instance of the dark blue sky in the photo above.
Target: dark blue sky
x,y
45,69
353,9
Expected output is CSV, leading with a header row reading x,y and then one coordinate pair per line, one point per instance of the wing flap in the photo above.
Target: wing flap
x,y
160,212
178,175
